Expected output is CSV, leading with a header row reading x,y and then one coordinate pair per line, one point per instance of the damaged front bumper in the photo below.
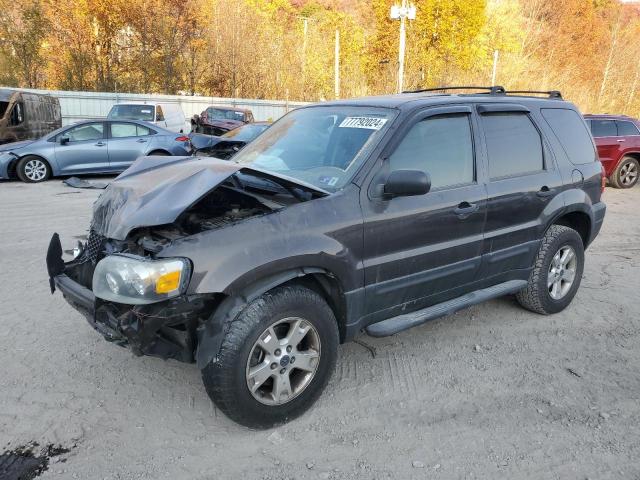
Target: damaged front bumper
x,y
167,329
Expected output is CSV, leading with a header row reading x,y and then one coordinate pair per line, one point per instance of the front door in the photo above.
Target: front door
x,y
127,142
82,149
423,249
605,133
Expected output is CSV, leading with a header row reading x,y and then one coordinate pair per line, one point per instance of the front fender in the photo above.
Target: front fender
x,y
324,233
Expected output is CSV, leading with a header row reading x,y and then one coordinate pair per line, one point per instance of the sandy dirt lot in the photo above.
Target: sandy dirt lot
x,y
491,392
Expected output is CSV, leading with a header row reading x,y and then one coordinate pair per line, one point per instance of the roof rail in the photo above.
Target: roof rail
x,y
495,90
551,93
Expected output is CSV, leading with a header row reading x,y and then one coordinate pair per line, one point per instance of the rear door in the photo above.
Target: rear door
x,y
420,250
85,151
127,142
523,182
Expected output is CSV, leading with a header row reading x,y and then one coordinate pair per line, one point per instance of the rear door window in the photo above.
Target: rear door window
x,y
441,146
626,128
571,132
123,130
514,144
603,128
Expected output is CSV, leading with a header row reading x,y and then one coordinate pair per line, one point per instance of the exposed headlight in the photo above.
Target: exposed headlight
x,y
137,281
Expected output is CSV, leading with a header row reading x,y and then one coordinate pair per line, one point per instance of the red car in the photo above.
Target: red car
x,y
219,120
618,140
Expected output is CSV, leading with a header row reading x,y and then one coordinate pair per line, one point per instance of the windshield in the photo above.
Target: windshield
x,y
245,133
322,146
222,114
132,112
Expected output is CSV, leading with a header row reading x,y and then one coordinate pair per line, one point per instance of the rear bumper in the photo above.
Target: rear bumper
x,y
599,209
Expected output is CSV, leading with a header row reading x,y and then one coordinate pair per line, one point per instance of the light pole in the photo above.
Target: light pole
x,y
402,12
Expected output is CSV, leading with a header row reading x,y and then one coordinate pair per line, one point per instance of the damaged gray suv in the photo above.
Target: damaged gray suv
x,y
374,214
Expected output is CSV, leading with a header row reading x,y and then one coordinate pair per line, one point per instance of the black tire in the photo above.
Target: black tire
x,y
626,173
226,379
33,169
159,153
536,295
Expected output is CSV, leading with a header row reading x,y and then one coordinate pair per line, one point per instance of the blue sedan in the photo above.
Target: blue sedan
x,y
89,147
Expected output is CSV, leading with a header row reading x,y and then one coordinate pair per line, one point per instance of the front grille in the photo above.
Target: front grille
x,y
94,245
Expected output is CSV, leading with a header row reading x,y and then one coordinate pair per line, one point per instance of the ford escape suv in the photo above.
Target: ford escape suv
x,y
374,214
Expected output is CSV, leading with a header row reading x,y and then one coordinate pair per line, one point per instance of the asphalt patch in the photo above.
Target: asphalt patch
x,y
28,461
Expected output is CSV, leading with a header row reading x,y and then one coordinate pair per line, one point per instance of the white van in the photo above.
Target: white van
x,y
165,115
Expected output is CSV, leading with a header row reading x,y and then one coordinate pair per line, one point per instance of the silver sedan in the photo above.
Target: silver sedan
x,y
89,147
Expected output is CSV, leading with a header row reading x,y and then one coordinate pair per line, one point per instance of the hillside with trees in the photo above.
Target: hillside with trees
x,y
588,49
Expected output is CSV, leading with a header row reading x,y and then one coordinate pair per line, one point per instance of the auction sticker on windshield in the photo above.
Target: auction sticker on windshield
x,y
370,123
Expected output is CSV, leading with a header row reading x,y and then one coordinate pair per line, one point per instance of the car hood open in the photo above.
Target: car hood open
x,y
156,190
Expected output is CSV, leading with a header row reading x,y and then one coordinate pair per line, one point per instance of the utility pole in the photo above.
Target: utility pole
x,y
495,67
402,12
336,65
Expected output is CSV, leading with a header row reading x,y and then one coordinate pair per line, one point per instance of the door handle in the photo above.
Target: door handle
x,y
100,144
545,192
620,140
465,209
141,140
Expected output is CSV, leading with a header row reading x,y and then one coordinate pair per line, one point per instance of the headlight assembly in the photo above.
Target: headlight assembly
x,y
137,281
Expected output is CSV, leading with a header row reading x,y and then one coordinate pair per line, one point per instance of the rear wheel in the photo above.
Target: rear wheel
x,y
159,153
32,169
626,174
556,273
276,358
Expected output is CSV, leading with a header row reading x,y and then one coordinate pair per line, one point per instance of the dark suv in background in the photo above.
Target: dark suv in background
x,y
374,214
618,141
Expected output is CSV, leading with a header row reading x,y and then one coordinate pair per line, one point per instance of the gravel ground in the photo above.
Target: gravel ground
x,y
491,392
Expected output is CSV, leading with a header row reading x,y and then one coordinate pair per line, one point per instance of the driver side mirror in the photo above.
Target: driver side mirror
x,y
405,183
64,140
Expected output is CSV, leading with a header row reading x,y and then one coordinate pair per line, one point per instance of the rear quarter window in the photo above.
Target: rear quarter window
x,y
568,127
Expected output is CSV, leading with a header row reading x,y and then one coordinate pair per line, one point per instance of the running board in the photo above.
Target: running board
x,y
408,320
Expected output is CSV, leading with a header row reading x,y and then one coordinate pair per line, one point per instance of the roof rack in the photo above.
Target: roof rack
x,y
494,90
550,93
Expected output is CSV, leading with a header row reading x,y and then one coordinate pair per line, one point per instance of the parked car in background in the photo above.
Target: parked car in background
x,y
93,146
374,214
164,115
218,120
26,115
228,144
618,140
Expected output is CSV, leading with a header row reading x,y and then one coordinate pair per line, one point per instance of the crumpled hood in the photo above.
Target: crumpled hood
x,y
9,147
155,191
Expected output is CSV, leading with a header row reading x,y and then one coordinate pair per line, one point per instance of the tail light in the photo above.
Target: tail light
x,y
603,179
182,138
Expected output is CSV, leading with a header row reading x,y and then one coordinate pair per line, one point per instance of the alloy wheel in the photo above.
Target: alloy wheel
x,y
629,173
283,361
562,272
35,170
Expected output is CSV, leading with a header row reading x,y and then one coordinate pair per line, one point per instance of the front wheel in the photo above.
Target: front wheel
x,y
32,169
556,273
276,358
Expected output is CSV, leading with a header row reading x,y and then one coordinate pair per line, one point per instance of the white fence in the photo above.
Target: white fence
x,y
78,106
